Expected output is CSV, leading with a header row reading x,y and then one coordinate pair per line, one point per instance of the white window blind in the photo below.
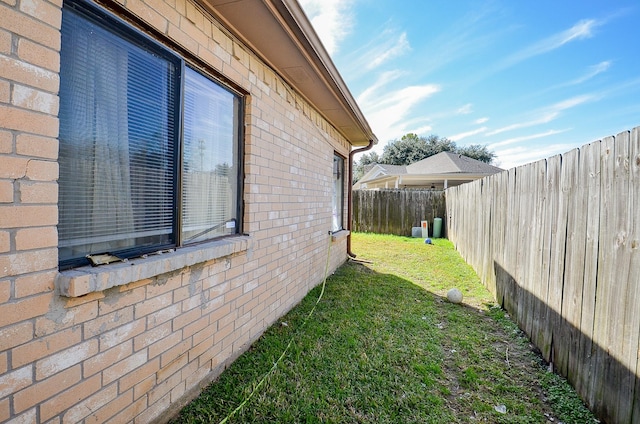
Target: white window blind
x,y
209,180
121,116
338,193
116,142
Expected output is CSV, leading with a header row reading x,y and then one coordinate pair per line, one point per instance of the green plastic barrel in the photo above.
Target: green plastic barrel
x,y
437,227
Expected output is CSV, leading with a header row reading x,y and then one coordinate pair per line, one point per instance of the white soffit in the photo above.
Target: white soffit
x,y
280,34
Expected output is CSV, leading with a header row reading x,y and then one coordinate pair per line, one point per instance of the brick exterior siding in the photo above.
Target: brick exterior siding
x,y
131,345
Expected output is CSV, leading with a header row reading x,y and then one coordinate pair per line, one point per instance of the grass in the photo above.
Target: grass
x,y
384,346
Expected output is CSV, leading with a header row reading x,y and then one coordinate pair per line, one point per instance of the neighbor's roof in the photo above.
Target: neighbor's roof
x,y
383,168
447,162
279,32
442,166
375,171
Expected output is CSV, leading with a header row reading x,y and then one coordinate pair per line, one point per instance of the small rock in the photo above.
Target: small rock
x,y
501,409
454,296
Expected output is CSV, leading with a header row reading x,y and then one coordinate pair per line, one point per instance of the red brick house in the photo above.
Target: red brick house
x,y
194,153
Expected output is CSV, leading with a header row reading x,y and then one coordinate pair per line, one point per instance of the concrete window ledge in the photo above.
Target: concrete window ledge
x,y
339,235
80,281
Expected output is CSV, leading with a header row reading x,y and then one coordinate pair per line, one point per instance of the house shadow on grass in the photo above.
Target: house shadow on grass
x,y
376,347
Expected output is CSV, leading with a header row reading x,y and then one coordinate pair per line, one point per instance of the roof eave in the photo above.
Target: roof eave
x,y
280,34
407,178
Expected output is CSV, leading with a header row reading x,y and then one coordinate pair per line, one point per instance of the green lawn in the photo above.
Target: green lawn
x,y
384,345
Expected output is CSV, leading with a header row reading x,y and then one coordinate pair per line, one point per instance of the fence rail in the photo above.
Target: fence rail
x,y
396,211
558,243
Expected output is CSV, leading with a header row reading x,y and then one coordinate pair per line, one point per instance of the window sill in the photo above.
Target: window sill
x,y
81,281
339,235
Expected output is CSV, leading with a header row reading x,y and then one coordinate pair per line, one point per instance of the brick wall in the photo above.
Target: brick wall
x,y
127,345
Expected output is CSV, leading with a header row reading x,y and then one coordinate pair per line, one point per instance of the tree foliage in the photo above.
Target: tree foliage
x,y
412,148
478,152
360,165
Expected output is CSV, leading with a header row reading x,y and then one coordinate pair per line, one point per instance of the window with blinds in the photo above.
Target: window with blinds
x,y
338,193
210,176
148,146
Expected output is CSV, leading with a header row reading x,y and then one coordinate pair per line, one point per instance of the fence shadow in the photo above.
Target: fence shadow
x,y
557,241
607,386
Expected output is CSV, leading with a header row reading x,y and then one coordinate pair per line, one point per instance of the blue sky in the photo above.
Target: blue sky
x,y
530,79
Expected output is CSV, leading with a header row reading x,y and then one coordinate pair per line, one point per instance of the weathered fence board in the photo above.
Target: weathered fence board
x,y
590,167
540,250
555,252
396,211
524,204
619,336
536,253
556,296
632,316
558,243
604,285
575,260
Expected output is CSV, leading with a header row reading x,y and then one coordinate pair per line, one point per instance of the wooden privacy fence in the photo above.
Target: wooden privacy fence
x,y
396,211
558,243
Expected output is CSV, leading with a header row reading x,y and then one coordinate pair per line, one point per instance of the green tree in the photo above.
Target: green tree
x,y
412,148
478,152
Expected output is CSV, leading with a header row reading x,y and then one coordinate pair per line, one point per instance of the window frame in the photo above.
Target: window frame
x,y
341,160
239,126
182,60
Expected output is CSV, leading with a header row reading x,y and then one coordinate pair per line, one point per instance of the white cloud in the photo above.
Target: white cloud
x,y
547,114
392,48
460,136
515,140
516,156
383,79
474,32
403,98
542,119
481,120
592,72
424,130
572,102
581,30
388,110
386,46
624,88
393,107
331,19
465,110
